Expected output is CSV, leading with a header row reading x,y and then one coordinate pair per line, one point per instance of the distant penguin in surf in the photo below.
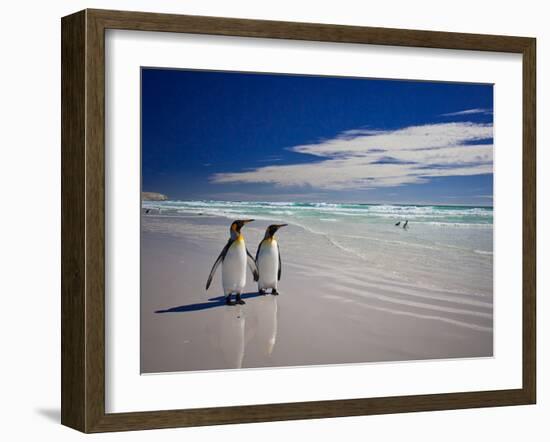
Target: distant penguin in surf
x,y
406,224
234,258
268,260
147,211
397,223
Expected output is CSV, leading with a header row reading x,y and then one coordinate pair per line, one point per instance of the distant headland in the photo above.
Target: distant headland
x,y
153,196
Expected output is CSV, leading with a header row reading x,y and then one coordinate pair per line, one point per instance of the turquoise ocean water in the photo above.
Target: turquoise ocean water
x,y
450,247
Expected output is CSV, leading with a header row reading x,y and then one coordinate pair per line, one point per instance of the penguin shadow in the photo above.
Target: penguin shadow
x,y
218,301
239,330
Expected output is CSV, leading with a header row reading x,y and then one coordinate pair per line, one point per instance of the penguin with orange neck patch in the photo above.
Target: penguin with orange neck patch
x,y
234,258
268,261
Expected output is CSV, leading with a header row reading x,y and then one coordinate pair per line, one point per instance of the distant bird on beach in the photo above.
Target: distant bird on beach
x,y
147,211
234,258
397,223
268,260
406,224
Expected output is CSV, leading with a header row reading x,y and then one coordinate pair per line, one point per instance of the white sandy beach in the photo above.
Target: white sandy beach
x,y
391,301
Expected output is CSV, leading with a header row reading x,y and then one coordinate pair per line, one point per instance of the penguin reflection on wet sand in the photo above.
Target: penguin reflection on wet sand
x,y
234,258
268,260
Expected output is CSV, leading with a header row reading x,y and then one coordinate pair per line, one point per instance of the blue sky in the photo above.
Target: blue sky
x,y
273,137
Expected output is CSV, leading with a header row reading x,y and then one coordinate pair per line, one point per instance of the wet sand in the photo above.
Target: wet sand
x,y
332,309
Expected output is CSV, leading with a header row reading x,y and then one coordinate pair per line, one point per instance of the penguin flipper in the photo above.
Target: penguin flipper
x,y
258,249
252,265
218,261
280,266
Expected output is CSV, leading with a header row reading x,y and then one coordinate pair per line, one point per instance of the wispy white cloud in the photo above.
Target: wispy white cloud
x,y
468,112
278,196
365,159
270,160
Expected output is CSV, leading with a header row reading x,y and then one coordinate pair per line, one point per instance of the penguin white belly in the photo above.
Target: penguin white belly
x,y
234,268
268,265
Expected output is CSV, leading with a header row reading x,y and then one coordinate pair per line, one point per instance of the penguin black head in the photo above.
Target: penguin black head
x,y
270,231
237,225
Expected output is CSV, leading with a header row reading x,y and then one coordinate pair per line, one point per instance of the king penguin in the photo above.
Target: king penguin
x,y
234,258
268,260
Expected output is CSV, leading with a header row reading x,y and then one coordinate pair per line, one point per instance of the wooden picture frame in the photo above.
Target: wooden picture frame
x,y
83,220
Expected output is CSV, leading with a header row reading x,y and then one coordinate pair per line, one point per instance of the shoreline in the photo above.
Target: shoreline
x,y
472,206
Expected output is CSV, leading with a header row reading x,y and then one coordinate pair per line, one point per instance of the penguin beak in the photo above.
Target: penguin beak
x,y
274,227
246,221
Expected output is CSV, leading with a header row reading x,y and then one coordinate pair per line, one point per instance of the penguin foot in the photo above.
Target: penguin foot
x,y
228,301
274,292
262,292
239,300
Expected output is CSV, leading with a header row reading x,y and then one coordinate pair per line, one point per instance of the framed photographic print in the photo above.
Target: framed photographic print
x,y
268,220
